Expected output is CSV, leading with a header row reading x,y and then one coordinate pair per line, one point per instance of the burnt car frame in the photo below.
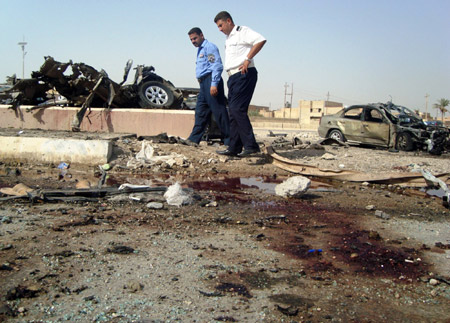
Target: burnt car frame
x,y
385,125
84,85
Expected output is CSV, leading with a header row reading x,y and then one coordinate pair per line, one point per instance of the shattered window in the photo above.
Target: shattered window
x,y
373,115
354,113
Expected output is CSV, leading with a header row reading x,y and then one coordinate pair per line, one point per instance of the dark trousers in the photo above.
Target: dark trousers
x,y
240,92
207,104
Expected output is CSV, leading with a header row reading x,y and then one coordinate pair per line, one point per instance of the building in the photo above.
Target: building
x,y
306,116
310,112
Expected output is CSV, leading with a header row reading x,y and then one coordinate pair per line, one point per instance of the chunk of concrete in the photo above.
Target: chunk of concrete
x,y
293,187
55,150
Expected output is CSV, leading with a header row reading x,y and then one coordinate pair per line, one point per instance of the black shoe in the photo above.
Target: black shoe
x,y
248,152
226,152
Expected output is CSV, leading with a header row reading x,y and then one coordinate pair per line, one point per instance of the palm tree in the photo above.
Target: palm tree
x,y
441,106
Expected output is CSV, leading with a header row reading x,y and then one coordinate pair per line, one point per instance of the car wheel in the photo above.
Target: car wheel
x,y
336,135
154,94
404,142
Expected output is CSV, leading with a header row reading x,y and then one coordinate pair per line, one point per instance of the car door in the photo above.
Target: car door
x,y
375,127
350,123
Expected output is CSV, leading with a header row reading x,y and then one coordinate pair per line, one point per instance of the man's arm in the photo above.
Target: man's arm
x,y
216,68
253,51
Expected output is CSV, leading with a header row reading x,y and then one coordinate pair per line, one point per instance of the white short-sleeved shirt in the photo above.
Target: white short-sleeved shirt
x,y
238,45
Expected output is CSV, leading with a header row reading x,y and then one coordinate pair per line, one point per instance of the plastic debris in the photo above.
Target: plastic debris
x,y
176,196
63,165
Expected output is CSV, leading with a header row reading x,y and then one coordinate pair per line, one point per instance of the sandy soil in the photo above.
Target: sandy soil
x,y
343,252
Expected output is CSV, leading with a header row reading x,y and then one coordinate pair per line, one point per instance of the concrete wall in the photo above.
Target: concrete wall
x,y
274,123
143,122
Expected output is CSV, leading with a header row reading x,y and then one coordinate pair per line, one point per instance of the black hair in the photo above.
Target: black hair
x,y
195,30
223,15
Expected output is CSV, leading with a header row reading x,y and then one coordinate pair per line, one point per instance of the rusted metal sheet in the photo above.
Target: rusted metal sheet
x,y
403,178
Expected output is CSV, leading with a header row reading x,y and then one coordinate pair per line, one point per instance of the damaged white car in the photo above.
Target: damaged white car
x,y
385,125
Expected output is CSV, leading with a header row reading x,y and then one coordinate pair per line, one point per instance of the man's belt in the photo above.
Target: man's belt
x,y
233,71
200,80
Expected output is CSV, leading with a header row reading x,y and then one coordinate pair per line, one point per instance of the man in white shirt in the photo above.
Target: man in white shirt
x,y
241,46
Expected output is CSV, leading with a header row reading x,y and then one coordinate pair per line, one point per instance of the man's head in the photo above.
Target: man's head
x,y
196,36
224,22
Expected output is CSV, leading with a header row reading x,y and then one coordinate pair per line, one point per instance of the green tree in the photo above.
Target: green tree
x,y
441,106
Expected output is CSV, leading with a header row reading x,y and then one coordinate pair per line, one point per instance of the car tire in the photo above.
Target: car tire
x,y
336,135
404,141
153,94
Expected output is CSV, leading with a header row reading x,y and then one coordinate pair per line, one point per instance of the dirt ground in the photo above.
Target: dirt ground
x,y
343,252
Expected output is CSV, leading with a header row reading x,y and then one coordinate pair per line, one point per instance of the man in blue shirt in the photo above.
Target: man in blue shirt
x,y
211,98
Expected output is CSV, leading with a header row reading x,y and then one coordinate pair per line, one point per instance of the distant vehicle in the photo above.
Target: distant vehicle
x,y
435,123
380,124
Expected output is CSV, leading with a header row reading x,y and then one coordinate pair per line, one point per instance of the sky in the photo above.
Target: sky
x,y
349,51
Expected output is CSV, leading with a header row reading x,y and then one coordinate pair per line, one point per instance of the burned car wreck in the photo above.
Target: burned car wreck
x,y
385,125
85,87
148,90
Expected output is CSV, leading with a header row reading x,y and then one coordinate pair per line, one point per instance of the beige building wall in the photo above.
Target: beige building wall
x,y
306,116
310,112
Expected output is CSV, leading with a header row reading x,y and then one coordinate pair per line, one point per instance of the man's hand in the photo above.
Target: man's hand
x,y
214,91
244,67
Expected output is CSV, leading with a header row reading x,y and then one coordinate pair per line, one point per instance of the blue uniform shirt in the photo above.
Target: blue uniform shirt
x,y
209,61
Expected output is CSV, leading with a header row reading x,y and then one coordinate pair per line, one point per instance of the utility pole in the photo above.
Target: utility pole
x,y
286,103
426,106
325,104
22,44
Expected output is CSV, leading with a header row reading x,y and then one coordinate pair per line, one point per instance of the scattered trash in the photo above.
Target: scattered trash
x,y
410,179
123,250
382,215
146,152
22,292
176,196
146,157
63,165
18,190
433,181
293,187
289,311
212,204
332,141
271,134
106,167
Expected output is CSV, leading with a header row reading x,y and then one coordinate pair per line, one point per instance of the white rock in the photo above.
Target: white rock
x,y
293,186
155,205
328,156
434,282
